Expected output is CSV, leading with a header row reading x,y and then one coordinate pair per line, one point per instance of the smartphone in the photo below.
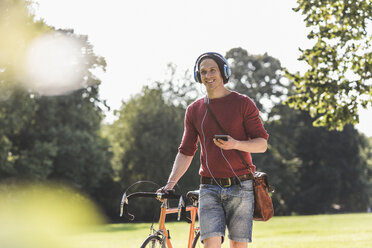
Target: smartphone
x,y
221,137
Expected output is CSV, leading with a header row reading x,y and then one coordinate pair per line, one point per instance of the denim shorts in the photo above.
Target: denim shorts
x,y
231,207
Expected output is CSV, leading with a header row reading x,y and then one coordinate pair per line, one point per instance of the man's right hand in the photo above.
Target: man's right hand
x,y
165,189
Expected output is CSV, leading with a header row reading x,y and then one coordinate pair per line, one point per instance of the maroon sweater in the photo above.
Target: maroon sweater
x,y
238,115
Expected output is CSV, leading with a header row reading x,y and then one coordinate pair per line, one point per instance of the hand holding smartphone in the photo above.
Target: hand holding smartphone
x,y
223,137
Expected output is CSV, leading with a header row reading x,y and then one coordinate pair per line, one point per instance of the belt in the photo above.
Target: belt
x,y
226,182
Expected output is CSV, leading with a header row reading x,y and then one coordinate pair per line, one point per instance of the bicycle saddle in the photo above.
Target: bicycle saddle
x,y
193,195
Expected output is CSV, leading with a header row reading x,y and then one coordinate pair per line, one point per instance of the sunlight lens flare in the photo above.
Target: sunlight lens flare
x,y
54,64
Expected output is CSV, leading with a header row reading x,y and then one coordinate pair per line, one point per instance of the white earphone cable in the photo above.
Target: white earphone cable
x,y
223,155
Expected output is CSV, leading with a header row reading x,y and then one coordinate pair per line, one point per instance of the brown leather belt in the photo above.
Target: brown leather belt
x,y
225,182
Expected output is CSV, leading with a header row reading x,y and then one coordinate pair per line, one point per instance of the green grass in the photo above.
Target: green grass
x,y
318,231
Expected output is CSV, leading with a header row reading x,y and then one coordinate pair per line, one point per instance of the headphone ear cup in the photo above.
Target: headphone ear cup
x,y
227,72
196,75
198,79
196,71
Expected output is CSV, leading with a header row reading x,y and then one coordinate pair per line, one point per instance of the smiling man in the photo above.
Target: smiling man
x,y
226,192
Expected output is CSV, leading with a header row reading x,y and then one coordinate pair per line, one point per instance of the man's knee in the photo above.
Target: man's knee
x,y
234,244
213,242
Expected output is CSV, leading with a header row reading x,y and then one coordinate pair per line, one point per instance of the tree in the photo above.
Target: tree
x,y
340,74
326,171
258,76
146,137
16,112
367,155
50,137
17,28
332,172
17,107
281,161
57,137
179,88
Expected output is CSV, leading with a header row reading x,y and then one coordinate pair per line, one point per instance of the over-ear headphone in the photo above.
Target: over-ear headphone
x,y
222,63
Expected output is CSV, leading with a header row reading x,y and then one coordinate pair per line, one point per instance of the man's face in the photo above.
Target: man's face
x,y
210,74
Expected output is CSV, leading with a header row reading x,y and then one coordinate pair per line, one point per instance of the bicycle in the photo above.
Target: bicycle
x,y
160,237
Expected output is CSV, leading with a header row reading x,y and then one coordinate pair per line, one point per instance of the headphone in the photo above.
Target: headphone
x,y
222,63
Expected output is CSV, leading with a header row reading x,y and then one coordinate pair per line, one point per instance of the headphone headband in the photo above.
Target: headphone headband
x,y
222,63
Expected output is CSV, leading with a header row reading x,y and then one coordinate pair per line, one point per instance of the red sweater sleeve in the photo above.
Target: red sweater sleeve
x,y
252,121
190,136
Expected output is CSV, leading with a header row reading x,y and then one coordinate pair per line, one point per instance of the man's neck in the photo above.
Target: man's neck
x,y
218,93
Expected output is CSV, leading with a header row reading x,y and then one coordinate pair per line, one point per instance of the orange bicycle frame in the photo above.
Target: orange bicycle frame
x,y
164,211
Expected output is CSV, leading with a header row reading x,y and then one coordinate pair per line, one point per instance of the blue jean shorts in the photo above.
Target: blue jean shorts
x,y
232,207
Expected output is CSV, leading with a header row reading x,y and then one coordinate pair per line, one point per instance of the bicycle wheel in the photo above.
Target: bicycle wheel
x,y
152,241
196,243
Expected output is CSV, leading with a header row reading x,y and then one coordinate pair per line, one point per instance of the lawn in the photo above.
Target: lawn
x,y
317,231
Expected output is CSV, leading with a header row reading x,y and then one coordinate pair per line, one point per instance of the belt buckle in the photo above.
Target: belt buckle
x,y
229,183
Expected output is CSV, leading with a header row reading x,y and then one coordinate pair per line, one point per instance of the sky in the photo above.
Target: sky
x,y
139,38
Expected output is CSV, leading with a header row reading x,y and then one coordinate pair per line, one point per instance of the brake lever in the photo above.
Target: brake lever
x,y
124,199
124,208
181,205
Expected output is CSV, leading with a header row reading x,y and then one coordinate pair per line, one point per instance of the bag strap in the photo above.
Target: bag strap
x,y
223,130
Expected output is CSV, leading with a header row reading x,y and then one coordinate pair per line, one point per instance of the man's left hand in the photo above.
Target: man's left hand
x,y
226,145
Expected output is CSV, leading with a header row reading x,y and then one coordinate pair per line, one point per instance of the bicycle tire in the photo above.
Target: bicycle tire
x,y
196,239
152,241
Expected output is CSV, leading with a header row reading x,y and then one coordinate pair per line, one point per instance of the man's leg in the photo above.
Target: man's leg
x,y
212,242
211,214
239,213
234,244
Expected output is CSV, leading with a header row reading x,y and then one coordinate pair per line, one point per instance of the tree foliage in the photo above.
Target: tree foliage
x,y
178,88
55,137
258,76
146,137
17,107
17,29
340,74
51,137
316,170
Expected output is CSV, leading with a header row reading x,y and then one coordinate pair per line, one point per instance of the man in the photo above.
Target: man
x,y
226,190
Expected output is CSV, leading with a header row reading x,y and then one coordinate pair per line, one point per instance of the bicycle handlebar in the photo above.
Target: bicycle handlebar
x,y
125,200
